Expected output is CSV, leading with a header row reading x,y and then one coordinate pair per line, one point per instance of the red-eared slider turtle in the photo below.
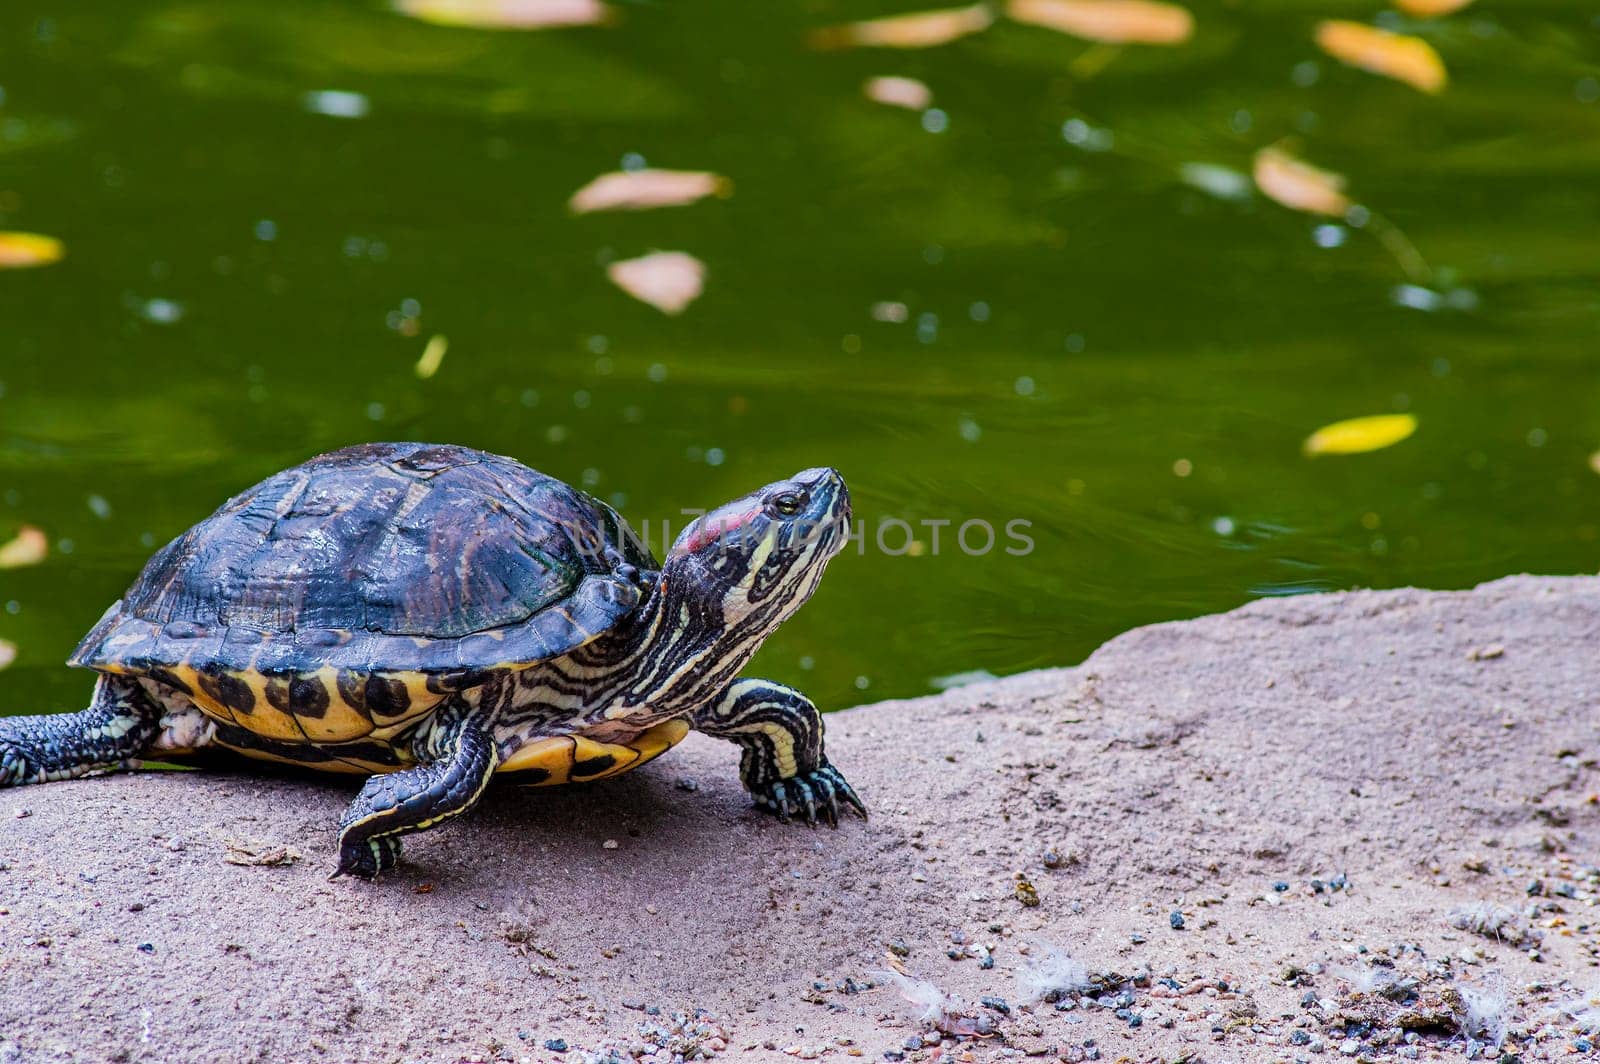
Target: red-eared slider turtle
x,y
433,615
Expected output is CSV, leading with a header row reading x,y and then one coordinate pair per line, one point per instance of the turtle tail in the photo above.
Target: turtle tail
x,y
117,727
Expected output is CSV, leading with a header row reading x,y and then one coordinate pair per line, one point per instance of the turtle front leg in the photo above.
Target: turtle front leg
x,y
783,764
458,757
118,727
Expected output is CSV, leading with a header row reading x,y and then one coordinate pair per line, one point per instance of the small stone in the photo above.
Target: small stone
x,y
1350,1047
1026,893
1053,859
1299,1037
998,1004
1137,940
1280,886
687,783
609,844
1176,920
147,947
556,1045
899,948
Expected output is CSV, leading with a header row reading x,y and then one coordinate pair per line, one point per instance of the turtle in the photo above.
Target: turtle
x,y
432,616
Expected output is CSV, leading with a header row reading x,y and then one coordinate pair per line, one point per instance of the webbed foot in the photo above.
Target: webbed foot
x,y
820,791
364,859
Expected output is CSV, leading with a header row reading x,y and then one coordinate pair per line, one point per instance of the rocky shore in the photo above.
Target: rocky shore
x,y
1360,825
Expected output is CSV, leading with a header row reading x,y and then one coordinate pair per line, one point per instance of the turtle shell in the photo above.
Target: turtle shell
x,y
347,596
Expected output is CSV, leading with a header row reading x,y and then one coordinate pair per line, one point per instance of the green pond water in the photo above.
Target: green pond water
x,y
269,208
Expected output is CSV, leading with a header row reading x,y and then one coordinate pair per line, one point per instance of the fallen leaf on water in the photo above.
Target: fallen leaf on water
x,y
259,857
1361,434
923,29
1430,8
432,356
8,652
1299,185
667,280
1594,461
899,92
19,250
28,547
1392,55
1109,21
637,190
507,14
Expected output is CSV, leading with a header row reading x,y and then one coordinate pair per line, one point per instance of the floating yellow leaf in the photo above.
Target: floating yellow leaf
x,y
506,14
432,356
638,190
28,547
1361,434
1109,21
1594,461
1430,8
899,92
1299,185
1392,55
924,29
8,652
19,250
667,280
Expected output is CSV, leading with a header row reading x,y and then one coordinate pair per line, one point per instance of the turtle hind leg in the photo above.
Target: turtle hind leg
x,y
782,763
458,756
118,727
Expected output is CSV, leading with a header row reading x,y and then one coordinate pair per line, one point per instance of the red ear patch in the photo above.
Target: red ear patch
x,y
714,526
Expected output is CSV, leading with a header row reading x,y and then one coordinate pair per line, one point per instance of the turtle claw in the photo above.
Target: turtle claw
x,y
364,859
819,791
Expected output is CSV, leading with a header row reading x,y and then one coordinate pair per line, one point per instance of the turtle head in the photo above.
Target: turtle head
x,y
761,556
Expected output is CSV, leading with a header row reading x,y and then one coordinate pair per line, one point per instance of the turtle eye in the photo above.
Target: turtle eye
x,y
788,503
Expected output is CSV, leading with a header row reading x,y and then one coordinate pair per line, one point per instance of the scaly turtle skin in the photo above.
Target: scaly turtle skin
x,y
432,615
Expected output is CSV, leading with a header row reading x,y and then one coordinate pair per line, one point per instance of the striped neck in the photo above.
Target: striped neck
x,y
678,652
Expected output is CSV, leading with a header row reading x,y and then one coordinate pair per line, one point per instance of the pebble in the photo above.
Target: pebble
x,y
998,1004
1280,886
556,1045
609,844
1176,920
899,948
1350,1047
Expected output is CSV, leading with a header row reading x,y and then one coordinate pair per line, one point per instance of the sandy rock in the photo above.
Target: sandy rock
x,y
1303,778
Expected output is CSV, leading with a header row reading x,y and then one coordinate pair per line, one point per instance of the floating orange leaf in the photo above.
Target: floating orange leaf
x,y
28,547
506,14
1109,21
1392,55
8,652
899,92
1361,434
1299,185
638,190
667,280
924,29
19,250
1430,8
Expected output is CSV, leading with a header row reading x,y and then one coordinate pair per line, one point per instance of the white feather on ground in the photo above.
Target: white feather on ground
x,y
937,1007
1485,1006
1052,976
